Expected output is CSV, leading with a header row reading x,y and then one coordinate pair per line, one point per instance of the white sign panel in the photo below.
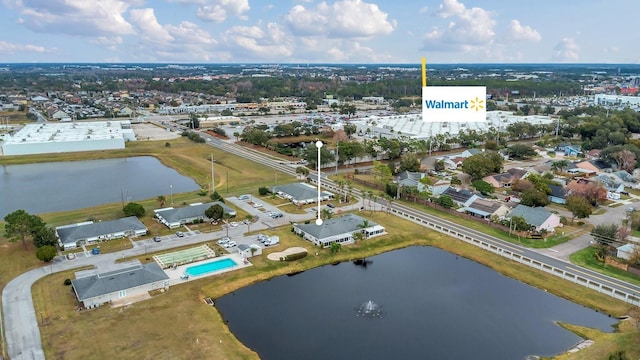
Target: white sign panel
x,y
454,104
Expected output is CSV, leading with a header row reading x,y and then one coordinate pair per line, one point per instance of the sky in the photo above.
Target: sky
x,y
311,31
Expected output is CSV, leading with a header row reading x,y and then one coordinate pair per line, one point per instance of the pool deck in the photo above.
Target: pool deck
x,y
175,274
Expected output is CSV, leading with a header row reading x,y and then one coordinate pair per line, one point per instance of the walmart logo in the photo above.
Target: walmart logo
x,y
476,104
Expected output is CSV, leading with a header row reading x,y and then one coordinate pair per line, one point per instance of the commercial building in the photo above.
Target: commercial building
x,y
176,217
75,235
339,230
44,138
95,290
301,193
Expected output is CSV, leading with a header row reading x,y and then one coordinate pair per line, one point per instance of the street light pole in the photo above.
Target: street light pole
x,y
171,193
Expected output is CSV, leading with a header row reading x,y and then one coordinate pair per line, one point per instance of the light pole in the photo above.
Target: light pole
x,y
171,193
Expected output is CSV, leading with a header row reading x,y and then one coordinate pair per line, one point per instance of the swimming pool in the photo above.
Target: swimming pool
x,y
210,267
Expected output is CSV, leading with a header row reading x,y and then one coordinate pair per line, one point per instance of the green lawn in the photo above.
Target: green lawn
x,y
586,258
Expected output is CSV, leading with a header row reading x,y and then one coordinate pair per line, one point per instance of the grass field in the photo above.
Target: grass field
x,y
178,324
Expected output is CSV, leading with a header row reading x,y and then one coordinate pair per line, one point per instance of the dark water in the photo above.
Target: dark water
x,y
434,306
59,186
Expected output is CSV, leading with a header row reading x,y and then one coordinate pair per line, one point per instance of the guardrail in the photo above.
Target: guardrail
x,y
628,297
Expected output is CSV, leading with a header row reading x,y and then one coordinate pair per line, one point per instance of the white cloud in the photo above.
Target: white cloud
x,y
219,10
342,19
183,42
75,17
255,43
517,32
467,29
8,48
109,43
424,10
566,50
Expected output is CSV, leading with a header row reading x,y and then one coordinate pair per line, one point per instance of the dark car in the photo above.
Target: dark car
x,y
180,234
156,238
330,205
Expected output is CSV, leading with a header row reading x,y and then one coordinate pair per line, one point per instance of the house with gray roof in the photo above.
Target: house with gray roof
x,y
462,198
558,194
485,209
537,217
95,290
74,235
339,230
176,217
301,193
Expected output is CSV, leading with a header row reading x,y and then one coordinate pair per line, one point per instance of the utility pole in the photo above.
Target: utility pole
x,y
213,180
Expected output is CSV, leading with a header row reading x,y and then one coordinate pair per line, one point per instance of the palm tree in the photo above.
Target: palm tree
x,y
365,224
248,220
373,197
161,199
349,191
326,214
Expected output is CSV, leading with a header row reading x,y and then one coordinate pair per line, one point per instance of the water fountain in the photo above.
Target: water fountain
x,y
369,310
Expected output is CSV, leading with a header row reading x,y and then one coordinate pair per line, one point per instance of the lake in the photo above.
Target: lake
x,y
433,305
60,186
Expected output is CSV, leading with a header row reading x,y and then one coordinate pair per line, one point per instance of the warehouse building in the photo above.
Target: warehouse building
x,y
44,138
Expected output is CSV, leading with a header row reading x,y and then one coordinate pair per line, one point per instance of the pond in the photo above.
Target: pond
x,y
60,186
413,303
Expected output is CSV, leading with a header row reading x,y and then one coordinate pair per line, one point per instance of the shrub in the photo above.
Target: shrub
x,y
167,144
295,256
263,191
67,282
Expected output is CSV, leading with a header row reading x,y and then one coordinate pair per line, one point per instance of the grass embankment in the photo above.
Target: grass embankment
x,y
178,324
587,258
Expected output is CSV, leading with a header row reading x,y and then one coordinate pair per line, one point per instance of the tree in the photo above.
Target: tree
x,y
559,165
335,247
445,201
216,197
409,162
263,191
214,212
44,236
326,214
350,129
438,165
477,166
484,187
358,236
133,209
18,225
605,234
521,151
533,198
455,180
302,171
348,110
161,199
46,253
381,173
579,206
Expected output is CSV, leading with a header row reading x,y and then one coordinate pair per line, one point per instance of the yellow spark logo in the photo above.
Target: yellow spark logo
x,y
477,104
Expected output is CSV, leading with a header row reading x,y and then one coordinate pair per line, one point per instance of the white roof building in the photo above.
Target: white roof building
x,y
411,125
43,138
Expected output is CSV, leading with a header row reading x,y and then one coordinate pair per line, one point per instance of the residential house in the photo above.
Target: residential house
x,y
558,194
338,230
611,183
537,217
593,166
626,251
461,198
569,149
506,179
624,176
485,209
75,235
176,217
93,291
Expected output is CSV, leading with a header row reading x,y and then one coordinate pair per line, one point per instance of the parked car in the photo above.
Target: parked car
x,y
230,244
257,205
330,205
244,197
233,224
224,240
179,234
71,256
156,238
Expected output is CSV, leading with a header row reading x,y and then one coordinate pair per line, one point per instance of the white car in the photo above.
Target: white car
x,y
233,224
223,241
230,244
257,205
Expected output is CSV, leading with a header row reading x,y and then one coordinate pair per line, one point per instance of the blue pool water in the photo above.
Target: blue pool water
x,y
210,266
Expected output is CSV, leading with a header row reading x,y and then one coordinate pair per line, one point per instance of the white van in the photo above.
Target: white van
x,y
244,197
273,240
